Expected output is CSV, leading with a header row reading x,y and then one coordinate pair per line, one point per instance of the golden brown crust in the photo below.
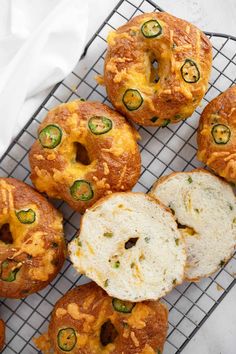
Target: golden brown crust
x,y
37,250
147,196
2,334
128,65
88,307
220,157
164,178
114,156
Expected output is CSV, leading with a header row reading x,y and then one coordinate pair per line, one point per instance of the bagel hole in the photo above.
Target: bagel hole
x,y
82,154
154,77
108,333
131,242
5,234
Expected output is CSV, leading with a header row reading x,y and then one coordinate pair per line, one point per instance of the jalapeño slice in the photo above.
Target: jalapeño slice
x,y
66,339
81,190
99,125
190,72
26,216
122,306
221,134
151,29
132,99
50,136
9,270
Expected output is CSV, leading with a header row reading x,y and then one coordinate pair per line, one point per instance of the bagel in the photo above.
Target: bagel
x,y
157,96
217,135
86,320
129,245
205,208
2,334
32,247
85,150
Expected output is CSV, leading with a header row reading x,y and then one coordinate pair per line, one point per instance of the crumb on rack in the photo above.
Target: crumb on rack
x,y
99,79
43,343
219,287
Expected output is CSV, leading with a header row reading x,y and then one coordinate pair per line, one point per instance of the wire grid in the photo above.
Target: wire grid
x,y
163,150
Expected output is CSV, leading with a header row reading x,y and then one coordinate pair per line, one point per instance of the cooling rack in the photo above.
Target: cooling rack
x,y
163,150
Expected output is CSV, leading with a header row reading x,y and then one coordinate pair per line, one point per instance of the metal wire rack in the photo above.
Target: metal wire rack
x,y
163,151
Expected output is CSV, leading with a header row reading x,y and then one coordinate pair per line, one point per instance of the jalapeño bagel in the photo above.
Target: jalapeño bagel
x,y
84,151
32,247
157,68
86,320
217,135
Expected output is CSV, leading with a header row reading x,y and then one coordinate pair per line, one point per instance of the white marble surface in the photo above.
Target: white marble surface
x,y
218,334
209,15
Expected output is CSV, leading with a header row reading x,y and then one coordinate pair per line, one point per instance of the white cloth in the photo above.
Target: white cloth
x,y
40,43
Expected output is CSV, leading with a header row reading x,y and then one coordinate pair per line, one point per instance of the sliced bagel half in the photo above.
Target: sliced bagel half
x,y
205,208
130,245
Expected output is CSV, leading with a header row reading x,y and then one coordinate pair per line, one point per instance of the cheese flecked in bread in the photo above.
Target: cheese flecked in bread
x,y
129,244
205,208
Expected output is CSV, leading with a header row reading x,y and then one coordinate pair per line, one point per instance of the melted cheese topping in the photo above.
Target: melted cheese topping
x,y
39,157
206,130
111,38
51,157
90,334
74,312
137,73
88,301
34,245
139,314
82,340
106,169
4,195
230,157
126,333
215,155
134,339
148,350
72,106
45,269
122,175
230,170
61,312
94,341
180,48
101,183
43,344
118,140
